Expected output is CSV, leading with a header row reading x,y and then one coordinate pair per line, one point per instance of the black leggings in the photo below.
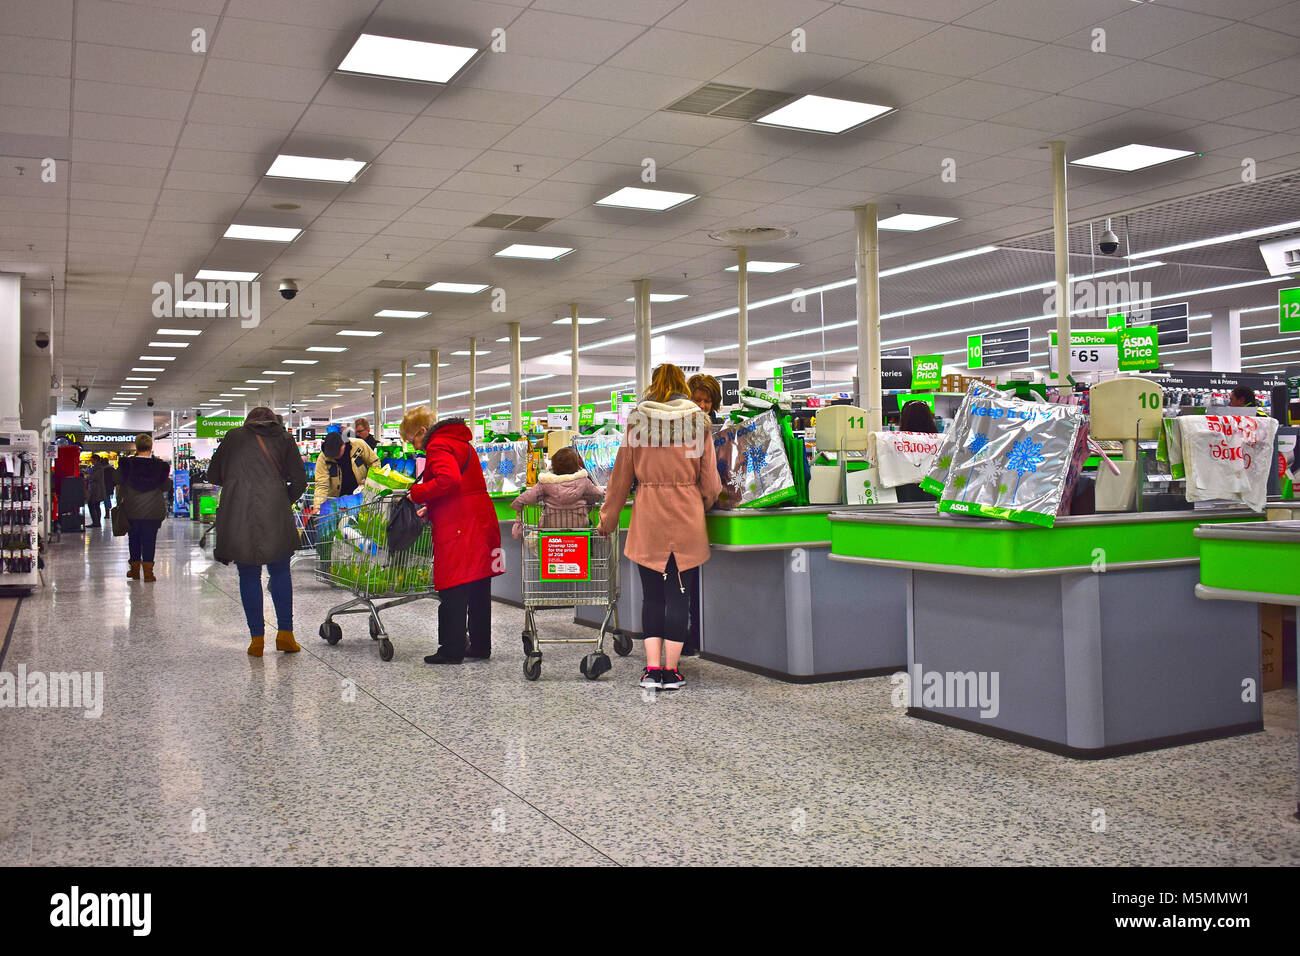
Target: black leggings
x,y
666,601
465,611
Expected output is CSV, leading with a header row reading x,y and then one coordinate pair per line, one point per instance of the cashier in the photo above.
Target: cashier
x,y
916,417
1243,396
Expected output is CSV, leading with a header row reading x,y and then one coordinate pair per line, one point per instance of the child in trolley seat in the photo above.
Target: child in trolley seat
x,y
565,493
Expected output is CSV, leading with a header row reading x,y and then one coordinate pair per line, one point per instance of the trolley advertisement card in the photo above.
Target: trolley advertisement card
x,y
565,557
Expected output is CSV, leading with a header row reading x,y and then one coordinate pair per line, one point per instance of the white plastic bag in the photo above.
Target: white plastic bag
x,y
1228,457
902,458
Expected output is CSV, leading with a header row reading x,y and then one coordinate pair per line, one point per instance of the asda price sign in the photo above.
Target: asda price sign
x,y
1110,350
927,371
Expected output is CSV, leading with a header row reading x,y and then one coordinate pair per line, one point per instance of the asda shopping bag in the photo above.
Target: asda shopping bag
x,y
504,464
752,463
954,437
598,453
1015,462
1228,457
382,481
902,458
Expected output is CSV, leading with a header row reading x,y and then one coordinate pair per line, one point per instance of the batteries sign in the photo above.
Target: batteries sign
x,y
564,557
994,349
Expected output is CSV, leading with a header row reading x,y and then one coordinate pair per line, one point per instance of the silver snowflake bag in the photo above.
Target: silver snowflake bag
x,y
1015,461
598,453
504,464
755,472
949,441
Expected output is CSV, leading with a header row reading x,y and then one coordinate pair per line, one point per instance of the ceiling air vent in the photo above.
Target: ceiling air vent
x,y
729,102
502,220
1282,256
748,235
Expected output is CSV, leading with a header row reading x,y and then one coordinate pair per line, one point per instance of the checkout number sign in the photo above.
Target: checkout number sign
x,y
564,557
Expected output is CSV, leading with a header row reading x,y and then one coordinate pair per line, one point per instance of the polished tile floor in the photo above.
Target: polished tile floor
x,y
206,756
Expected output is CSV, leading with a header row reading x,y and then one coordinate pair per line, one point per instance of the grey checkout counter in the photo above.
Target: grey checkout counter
x,y
772,602
1092,629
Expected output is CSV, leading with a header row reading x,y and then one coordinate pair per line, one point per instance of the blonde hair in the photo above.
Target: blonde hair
x,y
144,442
667,381
416,423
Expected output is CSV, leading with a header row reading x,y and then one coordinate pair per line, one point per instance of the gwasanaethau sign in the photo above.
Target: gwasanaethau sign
x,y
73,690
133,911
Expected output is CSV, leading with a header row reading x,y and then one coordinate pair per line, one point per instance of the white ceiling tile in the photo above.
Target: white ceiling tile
x,y
492,106
1055,114
110,64
548,142
681,54
421,155
125,154
778,68
1140,85
803,172
1232,50
437,130
634,88
1144,29
1221,100
92,172
1282,75
560,36
328,14
34,55
341,121
1041,19
140,27
246,139
976,100
754,21
847,31
1241,9
591,118
1284,19
1278,118
1053,69
367,93
514,73
280,44
50,19
30,122
35,92
960,51
244,111
271,81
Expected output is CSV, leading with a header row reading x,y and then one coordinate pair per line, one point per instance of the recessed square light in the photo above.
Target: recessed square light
x,y
521,250
823,114
360,333
912,222
758,265
225,275
169,345
1131,157
374,55
657,297
262,233
464,288
139,378
183,331
522,338
476,352
272,371
591,320
260,381
157,358
634,197
399,314
326,348
312,167
148,369
299,361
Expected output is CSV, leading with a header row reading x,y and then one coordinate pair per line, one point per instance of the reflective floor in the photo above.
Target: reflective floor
x,y
203,755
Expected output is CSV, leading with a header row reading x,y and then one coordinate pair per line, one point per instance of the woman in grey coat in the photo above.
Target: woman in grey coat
x,y
143,500
261,475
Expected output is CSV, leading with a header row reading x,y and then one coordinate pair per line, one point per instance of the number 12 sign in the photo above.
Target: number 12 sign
x,y
1288,310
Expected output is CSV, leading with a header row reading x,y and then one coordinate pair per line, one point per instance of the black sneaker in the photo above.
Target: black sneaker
x,y
652,677
671,679
442,657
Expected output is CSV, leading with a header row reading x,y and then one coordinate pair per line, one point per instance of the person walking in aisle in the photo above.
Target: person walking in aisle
x,y
668,451
261,476
341,467
466,534
95,488
142,496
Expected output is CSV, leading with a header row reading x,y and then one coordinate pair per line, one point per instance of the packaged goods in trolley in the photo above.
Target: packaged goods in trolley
x,y
566,563
354,556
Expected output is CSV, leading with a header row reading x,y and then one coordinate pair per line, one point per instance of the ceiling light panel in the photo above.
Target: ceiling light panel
x,y
422,62
262,233
312,167
1131,157
635,197
824,114
520,250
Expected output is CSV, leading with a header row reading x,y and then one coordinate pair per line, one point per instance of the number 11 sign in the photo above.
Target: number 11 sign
x,y
1288,310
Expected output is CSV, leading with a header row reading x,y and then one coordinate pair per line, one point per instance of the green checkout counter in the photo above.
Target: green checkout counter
x,y
1088,636
772,602
1252,564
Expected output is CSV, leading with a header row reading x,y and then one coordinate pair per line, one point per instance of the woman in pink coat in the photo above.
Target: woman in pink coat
x,y
668,450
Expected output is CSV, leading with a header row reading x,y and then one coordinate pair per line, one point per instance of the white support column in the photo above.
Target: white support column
x,y
473,381
573,362
516,380
641,344
433,382
381,430
11,330
1225,340
1061,236
378,424
867,270
742,315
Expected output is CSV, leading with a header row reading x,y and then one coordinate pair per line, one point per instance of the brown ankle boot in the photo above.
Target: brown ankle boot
x,y
284,642
148,571
255,646
134,571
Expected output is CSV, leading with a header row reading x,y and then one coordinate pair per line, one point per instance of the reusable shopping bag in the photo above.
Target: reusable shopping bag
x,y
933,482
902,458
598,453
504,464
754,468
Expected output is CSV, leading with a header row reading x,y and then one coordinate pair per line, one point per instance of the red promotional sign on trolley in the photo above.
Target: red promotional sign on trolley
x,y
564,557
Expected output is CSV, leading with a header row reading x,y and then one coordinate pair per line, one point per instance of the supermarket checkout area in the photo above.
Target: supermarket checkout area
x,y
1089,633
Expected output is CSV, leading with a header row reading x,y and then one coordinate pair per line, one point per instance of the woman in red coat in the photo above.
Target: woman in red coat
x,y
466,534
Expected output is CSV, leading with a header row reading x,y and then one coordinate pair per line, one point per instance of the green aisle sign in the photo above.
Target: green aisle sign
x,y
776,379
215,427
1288,310
974,353
927,371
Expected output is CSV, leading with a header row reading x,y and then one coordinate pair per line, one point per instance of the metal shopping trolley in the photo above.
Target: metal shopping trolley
x,y
355,556
304,520
567,564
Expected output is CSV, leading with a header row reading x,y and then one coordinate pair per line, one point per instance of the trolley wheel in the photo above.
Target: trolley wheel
x,y
331,632
533,666
594,664
385,650
622,644
374,632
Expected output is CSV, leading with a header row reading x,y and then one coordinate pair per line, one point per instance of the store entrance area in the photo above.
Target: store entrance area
x,y
204,756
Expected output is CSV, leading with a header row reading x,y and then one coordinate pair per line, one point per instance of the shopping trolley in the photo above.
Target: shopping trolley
x,y
304,521
567,564
355,556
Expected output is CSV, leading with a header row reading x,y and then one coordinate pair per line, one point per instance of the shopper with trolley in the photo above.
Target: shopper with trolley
x,y
668,451
453,496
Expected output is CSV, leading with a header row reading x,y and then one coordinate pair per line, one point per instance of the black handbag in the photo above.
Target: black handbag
x,y
404,524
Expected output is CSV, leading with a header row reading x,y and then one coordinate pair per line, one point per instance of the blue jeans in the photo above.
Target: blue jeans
x,y
142,537
250,593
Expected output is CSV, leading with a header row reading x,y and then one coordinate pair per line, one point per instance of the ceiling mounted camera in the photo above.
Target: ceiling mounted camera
x,y
42,339
288,288
149,401
1108,242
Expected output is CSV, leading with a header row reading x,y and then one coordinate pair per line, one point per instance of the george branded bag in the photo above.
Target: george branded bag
x,y
902,458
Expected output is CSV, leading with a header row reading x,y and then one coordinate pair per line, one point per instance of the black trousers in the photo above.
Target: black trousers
x,y
666,601
465,610
94,507
141,538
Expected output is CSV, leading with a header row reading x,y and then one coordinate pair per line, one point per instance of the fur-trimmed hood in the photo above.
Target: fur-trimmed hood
x,y
676,422
549,478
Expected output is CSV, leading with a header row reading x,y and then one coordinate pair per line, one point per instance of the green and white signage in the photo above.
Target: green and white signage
x,y
215,427
1110,350
586,416
1288,310
1009,348
927,371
